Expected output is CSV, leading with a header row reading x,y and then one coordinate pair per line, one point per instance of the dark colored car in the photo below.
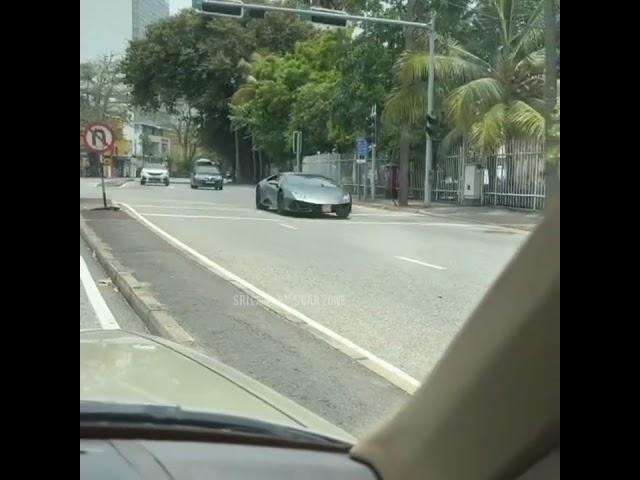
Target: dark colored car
x,y
206,176
303,192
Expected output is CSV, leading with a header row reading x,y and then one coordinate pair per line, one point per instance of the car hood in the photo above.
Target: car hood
x,y
123,367
321,195
156,171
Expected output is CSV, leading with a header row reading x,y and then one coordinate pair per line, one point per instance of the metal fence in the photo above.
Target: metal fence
x,y
512,176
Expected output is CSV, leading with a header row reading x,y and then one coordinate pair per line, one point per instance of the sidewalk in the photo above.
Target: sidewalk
x,y
513,218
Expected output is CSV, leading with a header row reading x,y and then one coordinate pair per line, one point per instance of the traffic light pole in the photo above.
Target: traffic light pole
x,y
335,15
315,13
429,144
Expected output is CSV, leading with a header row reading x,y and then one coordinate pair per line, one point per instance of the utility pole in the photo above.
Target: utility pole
x,y
428,164
374,114
297,149
237,168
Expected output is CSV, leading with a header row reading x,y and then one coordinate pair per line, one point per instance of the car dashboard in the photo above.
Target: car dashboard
x,y
161,459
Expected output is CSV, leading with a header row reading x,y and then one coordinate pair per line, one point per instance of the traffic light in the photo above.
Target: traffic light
x,y
234,11
336,22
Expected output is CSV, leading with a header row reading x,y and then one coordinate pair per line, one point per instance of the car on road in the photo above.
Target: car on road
x,y
206,176
304,193
154,175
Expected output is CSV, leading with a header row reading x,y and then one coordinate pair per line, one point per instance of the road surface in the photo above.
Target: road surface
x,y
397,285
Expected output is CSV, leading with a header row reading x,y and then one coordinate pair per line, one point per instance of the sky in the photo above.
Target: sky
x,y
176,5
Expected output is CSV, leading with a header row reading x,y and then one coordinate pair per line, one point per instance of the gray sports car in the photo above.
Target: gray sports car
x,y
302,192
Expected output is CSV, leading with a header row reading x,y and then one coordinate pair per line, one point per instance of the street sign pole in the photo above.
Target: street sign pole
x,y
104,193
98,138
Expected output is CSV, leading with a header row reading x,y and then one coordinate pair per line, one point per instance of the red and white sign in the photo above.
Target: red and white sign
x,y
98,137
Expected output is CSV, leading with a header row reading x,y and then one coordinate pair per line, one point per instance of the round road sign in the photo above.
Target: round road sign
x,y
98,137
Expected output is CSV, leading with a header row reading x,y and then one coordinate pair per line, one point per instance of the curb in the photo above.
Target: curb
x,y
153,314
437,215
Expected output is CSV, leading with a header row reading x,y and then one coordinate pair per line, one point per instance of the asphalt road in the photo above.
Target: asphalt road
x,y
399,285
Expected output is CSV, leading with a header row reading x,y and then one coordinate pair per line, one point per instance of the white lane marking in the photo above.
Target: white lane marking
x,y
210,217
424,264
288,226
183,207
105,317
384,368
386,215
319,222
172,201
125,184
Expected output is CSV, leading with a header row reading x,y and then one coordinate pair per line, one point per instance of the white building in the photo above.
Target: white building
x,y
150,144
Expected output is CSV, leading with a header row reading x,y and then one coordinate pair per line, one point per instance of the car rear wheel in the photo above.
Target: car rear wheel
x,y
259,204
343,211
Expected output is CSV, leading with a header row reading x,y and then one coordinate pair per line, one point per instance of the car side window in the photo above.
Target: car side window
x,y
273,178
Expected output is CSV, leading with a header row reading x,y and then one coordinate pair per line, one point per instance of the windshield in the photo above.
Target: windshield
x,y
309,181
209,170
412,162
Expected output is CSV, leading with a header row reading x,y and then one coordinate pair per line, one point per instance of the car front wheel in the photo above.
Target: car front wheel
x,y
280,203
343,211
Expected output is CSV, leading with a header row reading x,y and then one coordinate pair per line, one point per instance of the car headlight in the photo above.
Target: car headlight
x,y
298,195
346,197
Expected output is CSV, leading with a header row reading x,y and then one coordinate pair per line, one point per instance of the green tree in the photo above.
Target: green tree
x,y
484,101
102,93
192,59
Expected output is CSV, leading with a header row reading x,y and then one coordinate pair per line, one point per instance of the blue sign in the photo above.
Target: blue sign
x,y
362,147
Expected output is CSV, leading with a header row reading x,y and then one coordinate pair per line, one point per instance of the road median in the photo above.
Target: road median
x,y
151,312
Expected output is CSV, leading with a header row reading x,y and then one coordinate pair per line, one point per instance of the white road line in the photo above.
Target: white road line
x,y
366,358
105,317
424,264
386,215
318,222
210,217
288,226
124,185
181,207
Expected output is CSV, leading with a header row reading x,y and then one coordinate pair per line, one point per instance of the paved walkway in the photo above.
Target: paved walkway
x,y
523,219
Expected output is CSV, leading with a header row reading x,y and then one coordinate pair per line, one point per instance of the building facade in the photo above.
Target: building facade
x,y
106,27
146,12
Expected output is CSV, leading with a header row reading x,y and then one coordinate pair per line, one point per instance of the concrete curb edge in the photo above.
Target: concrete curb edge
x,y
437,215
151,312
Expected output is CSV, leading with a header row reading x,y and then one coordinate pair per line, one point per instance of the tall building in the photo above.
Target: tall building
x,y
106,26
146,12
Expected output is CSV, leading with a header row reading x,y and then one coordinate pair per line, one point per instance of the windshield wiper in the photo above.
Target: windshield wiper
x,y
94,415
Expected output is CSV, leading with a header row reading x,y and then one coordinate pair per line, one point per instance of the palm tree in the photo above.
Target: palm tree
x,y
485,102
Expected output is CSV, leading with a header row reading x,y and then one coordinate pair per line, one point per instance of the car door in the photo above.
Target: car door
x,y
270,190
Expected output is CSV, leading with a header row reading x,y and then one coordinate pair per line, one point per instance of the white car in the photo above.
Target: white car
x,y
154,175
